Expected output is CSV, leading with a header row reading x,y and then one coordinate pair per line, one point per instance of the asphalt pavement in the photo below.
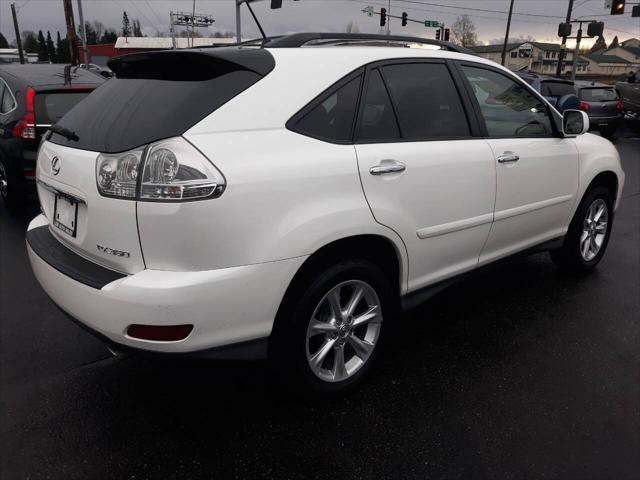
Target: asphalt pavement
x,y
519,373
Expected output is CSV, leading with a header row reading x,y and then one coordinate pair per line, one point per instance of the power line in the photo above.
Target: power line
x,y
153,11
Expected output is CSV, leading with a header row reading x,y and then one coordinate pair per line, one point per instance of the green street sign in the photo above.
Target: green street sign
x,y
432,23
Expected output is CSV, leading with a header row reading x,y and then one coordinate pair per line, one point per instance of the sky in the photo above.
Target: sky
x,y
532,18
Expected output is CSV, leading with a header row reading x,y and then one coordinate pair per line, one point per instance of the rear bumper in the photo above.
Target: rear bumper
x,y
596,123
226,306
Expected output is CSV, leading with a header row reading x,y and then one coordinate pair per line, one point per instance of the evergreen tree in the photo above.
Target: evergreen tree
x,y
615,42
51,49
63,50
126,25
3,41
109,36
136,28
29,42
42,48
599,45
92,37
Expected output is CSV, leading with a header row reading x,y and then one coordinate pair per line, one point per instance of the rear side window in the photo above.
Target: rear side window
x,y
598,94
51,107
378,121
333,118
556,89
7,102
426,101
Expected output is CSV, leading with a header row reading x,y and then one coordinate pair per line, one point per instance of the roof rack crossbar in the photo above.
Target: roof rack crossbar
x,y
295,40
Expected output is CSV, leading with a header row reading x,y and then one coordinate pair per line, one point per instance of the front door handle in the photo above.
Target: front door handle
x,y
507,157
388,166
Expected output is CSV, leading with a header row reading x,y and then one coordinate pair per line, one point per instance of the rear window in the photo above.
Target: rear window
x,y
598,94
160,95
51,107
556,89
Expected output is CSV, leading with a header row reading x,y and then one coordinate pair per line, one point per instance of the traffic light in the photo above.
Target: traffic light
x,y
276,4
595,29
617,7
564,30
383,17
446,34
635,11
438,34
404,19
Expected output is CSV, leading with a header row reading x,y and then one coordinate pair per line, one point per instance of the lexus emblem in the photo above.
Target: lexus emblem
x,y
55,165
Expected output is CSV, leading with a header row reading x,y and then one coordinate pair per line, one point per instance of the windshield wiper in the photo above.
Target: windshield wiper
x,y
65,132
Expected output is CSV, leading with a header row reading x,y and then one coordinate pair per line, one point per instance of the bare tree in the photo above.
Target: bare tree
x,y
352,27
464,31
98,27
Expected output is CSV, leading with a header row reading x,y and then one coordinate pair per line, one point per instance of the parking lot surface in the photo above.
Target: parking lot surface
x,y
520,372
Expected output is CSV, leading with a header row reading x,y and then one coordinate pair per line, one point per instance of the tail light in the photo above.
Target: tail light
x,y
26,127
620,106
584,106
170,170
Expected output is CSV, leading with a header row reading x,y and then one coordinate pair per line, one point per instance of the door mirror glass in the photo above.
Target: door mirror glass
x,y
574,122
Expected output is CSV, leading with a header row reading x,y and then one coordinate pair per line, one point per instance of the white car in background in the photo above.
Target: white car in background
x,y
288,199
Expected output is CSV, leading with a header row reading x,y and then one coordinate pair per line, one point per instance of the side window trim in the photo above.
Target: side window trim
x,y
8,89
475,126
474,101
324,95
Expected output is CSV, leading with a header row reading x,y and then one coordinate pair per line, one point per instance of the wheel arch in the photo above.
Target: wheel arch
x,y
376,248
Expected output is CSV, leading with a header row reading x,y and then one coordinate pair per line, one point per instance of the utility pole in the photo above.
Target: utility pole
x,y
506,35
172,29
563,45
71,31
85,53
575,54
389,19
238,23
193,22
18,39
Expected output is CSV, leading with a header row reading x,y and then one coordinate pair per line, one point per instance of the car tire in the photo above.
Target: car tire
x,y
588,235
10,187
314,350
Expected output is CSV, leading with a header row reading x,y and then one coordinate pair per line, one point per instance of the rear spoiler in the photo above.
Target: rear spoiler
x,y
191,65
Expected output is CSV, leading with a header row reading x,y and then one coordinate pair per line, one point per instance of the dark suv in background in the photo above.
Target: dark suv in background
x,y
32,99
603,106
559,92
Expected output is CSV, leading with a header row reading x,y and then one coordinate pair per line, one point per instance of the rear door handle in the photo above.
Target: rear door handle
x,y
388,166
507,157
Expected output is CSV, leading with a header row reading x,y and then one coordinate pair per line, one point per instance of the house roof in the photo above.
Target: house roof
x,y
600,58
510,46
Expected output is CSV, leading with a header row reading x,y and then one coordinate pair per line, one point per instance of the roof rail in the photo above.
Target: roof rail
x,y
295,40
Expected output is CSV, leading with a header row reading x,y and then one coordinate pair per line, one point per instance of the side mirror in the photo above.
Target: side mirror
x,y
574,122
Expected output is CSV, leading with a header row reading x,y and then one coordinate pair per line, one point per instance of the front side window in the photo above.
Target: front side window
x,y
508,108
426,101
333,118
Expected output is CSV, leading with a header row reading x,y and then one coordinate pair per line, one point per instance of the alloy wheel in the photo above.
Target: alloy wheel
x,y
343,331
594,229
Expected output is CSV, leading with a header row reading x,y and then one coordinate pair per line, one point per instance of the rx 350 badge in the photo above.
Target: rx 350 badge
x,y
111,251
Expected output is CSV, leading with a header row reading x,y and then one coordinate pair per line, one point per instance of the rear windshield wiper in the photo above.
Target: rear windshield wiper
x,y
65,132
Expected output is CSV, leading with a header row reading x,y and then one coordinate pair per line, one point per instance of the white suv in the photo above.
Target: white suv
x,y
284,201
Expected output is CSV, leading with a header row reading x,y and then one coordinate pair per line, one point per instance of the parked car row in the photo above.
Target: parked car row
x,y
600,101
246,202
32,99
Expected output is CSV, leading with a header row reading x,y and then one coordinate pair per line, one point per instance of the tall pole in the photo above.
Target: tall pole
x,y
193,22
18,39
506,35
575,54
563,45
83,29
71,31
172,28
238,23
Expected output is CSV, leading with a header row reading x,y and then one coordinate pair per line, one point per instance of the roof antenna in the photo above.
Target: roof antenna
x,y
264,37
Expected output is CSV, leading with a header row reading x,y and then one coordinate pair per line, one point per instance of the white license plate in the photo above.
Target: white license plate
x,y
65,215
